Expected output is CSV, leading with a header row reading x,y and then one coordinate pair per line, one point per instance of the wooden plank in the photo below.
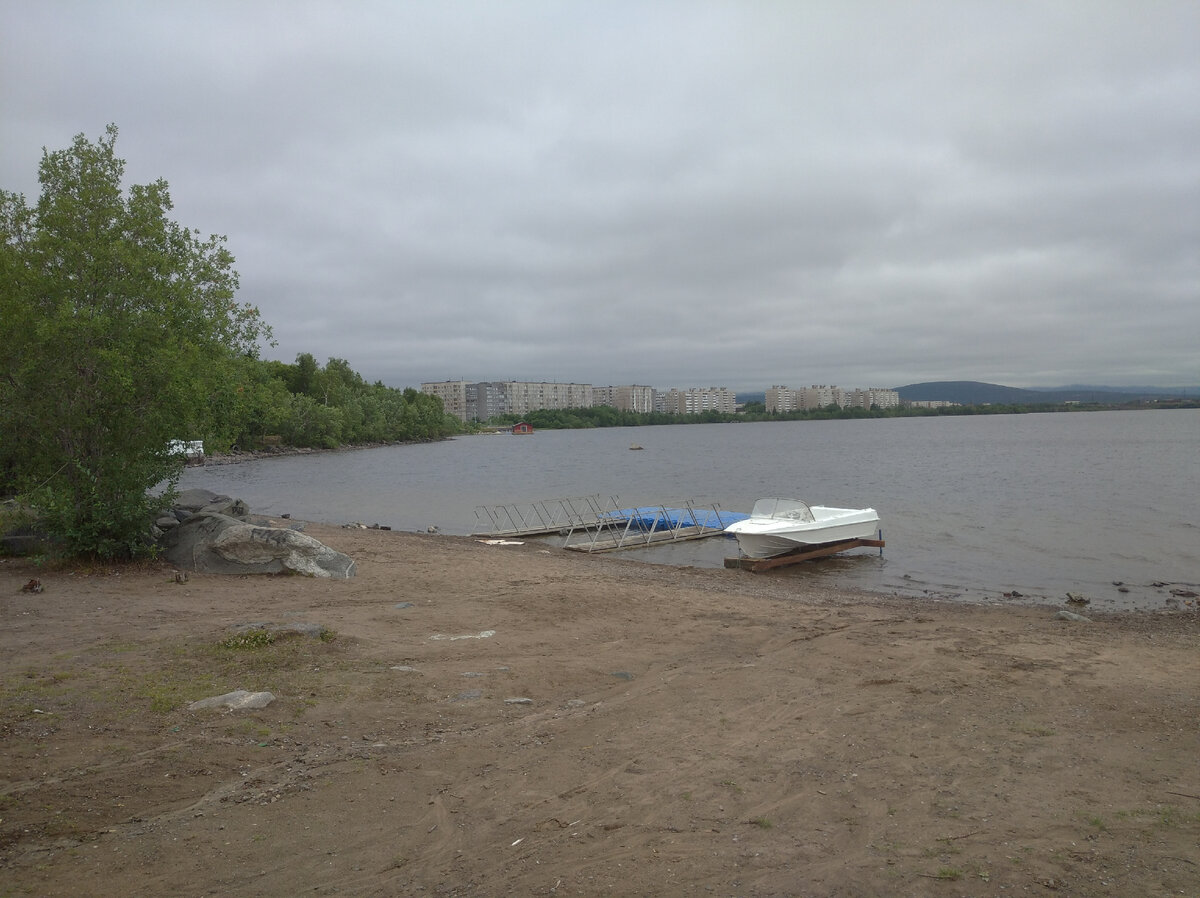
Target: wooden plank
x,y
822,551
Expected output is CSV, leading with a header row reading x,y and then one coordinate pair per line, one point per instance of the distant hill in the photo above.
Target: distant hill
x,y
970,392
1173,392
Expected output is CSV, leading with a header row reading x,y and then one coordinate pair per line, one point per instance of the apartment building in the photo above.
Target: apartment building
x,y
527,396
453,394
695,400
781,399
625,398
820,396
876,397
487,399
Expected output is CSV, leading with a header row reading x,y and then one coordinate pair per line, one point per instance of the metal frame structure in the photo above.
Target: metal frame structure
x,y
542,517
627,528
607,524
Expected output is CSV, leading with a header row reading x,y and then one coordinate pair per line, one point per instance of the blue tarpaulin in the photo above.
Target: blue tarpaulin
x,y
655,517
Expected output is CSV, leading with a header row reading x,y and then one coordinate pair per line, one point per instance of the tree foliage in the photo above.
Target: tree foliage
x,y
305,404
119,333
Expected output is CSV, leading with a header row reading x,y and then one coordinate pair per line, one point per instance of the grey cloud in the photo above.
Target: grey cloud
x,y
672,194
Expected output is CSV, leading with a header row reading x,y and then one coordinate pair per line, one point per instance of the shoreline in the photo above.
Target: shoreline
x,y
519,720
233,458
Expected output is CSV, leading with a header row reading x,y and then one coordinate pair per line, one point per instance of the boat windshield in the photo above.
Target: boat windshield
x,y
786,509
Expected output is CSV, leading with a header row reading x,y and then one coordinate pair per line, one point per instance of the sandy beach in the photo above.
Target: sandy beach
x,y
517,720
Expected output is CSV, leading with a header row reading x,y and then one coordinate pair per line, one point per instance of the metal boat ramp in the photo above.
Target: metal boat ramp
x,y
590,524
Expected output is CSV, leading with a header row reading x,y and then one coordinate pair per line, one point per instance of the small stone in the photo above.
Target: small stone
x,y
519,700
236,700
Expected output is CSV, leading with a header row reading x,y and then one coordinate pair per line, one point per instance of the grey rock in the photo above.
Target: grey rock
x,y
1072,616
191,501
234,508
166,522
239,699
219,544
518,700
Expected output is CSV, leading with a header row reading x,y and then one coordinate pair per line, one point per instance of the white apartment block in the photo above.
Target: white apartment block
x,y
876,397
526,396
821,396
781,399
481,401
626,398
695,400
453,394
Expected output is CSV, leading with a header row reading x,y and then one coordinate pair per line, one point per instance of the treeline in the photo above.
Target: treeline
x,y
607,416
307,405
600,416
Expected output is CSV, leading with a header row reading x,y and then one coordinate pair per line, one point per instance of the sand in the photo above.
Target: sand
x,y
520,720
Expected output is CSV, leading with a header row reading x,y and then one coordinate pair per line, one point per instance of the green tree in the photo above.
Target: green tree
x,y
119,333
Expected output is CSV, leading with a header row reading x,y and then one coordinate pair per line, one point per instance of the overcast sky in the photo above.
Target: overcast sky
x,y
667,193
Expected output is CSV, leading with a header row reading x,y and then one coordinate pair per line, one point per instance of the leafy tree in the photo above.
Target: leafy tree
x,y
118,334
304,374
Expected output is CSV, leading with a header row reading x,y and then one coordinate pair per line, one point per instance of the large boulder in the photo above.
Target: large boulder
x,y
218,544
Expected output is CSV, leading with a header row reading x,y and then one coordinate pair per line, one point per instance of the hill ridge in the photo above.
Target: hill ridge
x,y
973,392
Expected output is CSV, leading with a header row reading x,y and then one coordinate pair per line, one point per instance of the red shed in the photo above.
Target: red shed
x,y
522,427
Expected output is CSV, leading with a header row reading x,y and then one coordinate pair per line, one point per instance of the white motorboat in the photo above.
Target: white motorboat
x,y
778,526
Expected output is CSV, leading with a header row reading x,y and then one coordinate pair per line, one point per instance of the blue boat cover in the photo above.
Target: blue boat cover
x,y
655,517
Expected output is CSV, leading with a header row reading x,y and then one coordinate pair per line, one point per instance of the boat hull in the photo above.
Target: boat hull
x,y
769,537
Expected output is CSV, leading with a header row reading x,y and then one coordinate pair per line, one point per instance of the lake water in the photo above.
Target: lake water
x,y
971,507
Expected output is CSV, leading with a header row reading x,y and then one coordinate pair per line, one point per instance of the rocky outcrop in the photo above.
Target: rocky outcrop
x,y
216,543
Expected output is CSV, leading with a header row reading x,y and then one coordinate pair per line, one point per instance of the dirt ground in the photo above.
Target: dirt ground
x,y
520,720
